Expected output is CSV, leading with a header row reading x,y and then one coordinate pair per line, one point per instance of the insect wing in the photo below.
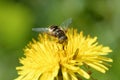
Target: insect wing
x,y
40,29
66,23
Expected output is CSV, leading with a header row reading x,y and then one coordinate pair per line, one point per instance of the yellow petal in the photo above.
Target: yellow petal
x,y
96,67
83,73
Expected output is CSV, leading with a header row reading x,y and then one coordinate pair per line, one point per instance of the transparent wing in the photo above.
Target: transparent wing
x,y
40,29
66,23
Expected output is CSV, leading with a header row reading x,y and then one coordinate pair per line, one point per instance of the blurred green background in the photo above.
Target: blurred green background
x,y
95,17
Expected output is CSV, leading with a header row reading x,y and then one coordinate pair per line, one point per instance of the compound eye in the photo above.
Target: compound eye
x,y
53,27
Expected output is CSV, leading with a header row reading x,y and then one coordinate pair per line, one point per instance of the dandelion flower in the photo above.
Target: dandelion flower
x,y
46,59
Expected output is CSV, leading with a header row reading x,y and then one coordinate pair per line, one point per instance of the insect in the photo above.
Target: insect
x,y
56,31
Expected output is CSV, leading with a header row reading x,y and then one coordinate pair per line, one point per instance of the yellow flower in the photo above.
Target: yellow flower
x,y
46,59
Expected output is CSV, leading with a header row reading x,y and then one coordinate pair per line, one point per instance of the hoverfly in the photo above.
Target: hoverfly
x,y
56,31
